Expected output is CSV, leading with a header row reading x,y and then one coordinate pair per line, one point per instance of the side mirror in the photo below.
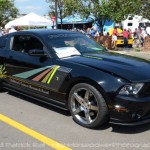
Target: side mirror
x,y
36,52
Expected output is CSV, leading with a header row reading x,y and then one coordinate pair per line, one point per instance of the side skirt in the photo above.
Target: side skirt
x,y
37,97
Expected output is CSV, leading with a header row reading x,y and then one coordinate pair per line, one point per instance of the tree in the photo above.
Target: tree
x,y
7,11
115,10
64,8
60,8
144,10
120,9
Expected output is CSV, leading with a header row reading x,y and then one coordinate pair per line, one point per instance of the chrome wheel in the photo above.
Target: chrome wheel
x,y
87,105
84,105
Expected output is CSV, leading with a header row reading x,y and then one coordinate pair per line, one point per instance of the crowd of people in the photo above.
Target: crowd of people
x,y
138,35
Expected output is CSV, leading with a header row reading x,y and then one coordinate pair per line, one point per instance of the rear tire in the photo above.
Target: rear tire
x,y
87,106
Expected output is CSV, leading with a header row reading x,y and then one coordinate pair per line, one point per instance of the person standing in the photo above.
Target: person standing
x,y
143,36
135,39
92,33
130,33
125,37
104,32
114,37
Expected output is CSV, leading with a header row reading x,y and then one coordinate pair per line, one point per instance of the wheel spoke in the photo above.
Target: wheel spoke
x,y
87,94
78,110
78,98
88,117
92,107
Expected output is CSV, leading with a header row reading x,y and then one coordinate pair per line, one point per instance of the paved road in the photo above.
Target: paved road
x,y
132,52
59,126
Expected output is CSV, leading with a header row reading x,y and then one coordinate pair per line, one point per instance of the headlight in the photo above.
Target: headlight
x,y
131,89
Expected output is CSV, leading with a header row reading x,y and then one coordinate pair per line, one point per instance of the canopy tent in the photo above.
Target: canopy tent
x,y
73,19
78,19
30,19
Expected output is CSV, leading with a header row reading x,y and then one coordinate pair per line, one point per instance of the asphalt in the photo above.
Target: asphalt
x,y
59,126
133,52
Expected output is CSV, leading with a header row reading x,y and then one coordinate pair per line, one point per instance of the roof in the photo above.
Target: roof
x,y
46,31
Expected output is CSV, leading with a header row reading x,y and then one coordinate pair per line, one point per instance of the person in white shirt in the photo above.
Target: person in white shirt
x,y
104,32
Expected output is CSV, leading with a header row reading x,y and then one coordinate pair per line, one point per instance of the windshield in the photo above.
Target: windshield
x,y
66,45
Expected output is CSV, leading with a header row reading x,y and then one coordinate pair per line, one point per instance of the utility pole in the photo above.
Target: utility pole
x,y
56,13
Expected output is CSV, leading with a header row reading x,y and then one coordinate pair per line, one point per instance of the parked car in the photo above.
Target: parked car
x,y
71,71
120,41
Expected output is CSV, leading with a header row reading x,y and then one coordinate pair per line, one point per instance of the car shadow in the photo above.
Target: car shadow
x,y
3,91
115,128
131,129
41,104
125,129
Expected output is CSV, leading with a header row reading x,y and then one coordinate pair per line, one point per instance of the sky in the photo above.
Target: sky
x,y
39,7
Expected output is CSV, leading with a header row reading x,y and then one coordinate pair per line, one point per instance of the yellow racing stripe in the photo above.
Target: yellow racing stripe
x,y
54,71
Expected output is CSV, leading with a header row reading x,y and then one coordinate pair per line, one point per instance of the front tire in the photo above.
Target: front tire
x,y
87,106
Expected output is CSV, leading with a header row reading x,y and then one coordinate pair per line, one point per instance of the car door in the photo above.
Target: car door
x,y
19,59
26,71
38,75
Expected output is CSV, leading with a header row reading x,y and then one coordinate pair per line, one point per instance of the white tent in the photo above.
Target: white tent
x,y
30,19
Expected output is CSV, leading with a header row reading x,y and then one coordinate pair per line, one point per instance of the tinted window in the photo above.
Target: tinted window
x,y
147,24
24,43
130,18
130,24
141,25
72,44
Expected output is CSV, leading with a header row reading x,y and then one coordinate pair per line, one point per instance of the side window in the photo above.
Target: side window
x,y
24,43
3,40
130,24
130,18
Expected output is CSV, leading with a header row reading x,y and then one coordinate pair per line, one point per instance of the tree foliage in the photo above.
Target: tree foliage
x,y
7,11
144,10
115,10
64,8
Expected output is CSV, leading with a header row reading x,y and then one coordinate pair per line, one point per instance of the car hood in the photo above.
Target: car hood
x,y
130,68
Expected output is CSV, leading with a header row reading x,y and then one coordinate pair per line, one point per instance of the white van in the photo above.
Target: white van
x,y
133,22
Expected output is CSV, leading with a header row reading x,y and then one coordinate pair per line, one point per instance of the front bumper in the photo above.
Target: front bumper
x,y
130,110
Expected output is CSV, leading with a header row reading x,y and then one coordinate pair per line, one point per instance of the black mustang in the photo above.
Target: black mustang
x,y
71,71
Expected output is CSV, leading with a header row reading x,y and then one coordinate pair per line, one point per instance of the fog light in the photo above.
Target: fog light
x,y
137,115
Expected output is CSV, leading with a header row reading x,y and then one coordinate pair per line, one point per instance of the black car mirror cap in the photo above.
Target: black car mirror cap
x,y
37,52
